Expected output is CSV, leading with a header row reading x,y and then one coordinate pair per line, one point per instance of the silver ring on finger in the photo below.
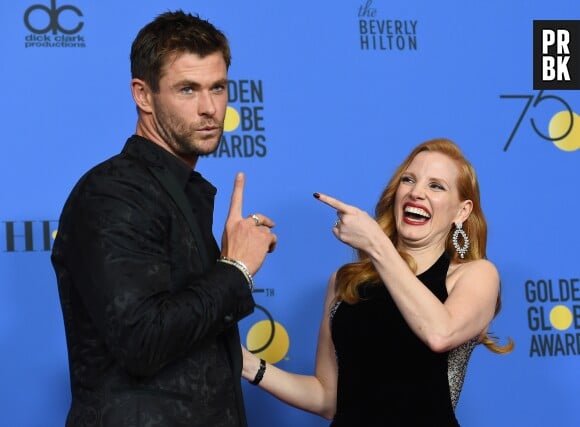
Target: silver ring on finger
x,y
256,219
337,223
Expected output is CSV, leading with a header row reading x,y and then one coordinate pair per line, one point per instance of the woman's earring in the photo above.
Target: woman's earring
x,y
461,250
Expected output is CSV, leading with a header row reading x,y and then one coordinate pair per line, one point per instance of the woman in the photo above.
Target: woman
x,y
400,324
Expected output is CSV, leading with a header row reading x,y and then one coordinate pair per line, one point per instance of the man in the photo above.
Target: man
x,y
150,305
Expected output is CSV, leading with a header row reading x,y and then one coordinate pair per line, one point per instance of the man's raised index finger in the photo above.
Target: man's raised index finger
x,y
237,195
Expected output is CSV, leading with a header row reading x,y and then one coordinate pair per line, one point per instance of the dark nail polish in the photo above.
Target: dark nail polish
x,y
316,195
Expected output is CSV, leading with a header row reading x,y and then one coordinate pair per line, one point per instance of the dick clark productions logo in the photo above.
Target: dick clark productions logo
x,y
53,26
556,55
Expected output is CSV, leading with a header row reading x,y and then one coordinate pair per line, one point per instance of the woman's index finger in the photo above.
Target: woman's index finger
x,y
331,201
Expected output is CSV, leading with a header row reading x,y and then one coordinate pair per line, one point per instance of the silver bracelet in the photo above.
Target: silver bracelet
x,y
242,267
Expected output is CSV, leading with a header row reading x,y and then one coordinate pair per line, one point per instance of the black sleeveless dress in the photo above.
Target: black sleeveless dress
x,y
386,375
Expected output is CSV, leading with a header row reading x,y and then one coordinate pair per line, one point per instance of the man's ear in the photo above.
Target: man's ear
x,y
141,95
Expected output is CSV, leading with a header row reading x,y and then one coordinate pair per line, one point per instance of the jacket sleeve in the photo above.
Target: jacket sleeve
x,y
150,302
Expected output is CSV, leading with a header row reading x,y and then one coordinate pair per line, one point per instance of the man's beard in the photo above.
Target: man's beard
x,y
181,137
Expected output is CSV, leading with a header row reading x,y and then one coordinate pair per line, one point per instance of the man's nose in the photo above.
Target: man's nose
x,y
206,104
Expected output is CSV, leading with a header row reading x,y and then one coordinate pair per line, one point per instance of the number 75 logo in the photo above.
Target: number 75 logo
x,y
561,128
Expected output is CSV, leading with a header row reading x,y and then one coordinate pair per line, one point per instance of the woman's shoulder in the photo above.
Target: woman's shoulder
x,y
331,286
473,271
473,266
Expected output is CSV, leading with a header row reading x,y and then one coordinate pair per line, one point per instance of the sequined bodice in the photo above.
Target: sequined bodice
x,y
388,376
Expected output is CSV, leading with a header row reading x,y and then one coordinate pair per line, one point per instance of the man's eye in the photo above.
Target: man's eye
x,y
219,88
186,90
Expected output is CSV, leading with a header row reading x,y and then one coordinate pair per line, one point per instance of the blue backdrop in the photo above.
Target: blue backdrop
x,y
325,96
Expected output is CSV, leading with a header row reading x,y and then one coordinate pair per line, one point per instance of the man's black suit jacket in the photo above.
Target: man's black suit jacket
x,y
150,316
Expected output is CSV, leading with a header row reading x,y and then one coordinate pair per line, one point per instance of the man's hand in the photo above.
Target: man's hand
x,y
249,239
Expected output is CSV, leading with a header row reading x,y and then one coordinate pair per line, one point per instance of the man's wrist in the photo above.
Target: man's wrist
x,y
240,266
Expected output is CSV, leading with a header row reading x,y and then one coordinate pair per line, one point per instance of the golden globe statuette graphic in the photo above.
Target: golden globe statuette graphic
x,y
268,339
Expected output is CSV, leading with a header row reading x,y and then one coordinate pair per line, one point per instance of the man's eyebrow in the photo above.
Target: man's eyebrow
x,y
195,85
187,82
222,82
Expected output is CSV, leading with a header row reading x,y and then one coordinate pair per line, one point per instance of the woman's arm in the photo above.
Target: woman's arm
x,y
313,393
473,286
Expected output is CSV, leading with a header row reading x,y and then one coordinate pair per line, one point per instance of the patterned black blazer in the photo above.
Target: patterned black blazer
x,y
150,316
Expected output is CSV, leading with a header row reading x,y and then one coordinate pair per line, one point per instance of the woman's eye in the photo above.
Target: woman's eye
x,y
437,186
406,179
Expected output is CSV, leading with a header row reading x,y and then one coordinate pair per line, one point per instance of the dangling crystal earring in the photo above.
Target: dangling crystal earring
x,y
461,250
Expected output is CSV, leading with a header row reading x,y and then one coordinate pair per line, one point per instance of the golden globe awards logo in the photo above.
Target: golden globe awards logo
x,y
550,116
53,26
556,66
553,317
556,55
244,124
385,34
267,338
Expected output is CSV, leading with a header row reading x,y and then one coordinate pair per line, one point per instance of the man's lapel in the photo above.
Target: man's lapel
x,y
178,195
